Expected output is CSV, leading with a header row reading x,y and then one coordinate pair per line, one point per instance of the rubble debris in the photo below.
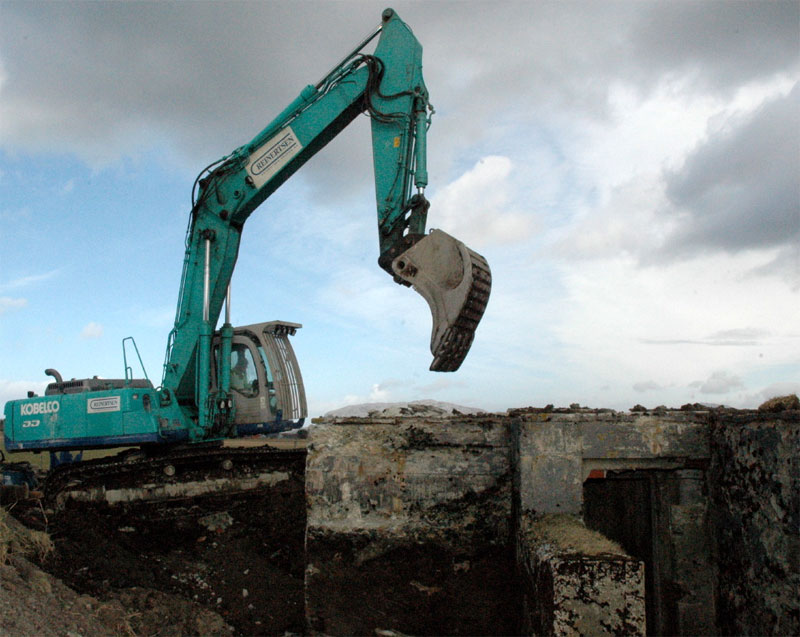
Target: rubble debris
x,y
780,403
16,539
33,603
216,522
423,408
574,408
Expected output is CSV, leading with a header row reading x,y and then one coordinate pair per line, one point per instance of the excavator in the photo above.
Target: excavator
x,y
231,382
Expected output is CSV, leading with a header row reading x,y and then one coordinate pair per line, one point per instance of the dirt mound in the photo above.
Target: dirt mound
x,y
37,604
210,566
780,403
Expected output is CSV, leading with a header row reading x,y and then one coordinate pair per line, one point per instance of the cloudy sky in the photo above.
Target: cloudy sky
x,y
630,170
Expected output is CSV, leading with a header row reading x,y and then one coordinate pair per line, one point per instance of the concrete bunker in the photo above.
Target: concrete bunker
x,y
538,521
547,521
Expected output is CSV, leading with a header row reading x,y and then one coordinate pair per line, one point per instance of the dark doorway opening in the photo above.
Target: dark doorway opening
x,y
659,517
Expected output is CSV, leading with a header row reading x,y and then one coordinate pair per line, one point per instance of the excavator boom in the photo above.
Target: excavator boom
x,y
388,86
203,395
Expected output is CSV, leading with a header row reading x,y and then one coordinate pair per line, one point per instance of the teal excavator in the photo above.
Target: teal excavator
x,y
234,382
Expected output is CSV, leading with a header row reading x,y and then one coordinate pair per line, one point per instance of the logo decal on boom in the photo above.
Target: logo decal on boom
x,y
272,156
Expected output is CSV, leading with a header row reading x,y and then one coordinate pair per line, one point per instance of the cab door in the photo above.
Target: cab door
x,y
248,382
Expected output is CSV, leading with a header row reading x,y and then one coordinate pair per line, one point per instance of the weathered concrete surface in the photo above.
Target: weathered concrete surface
x,y
408,527
576,582
415,516
687,563
556,451
403,475
173,491
755,492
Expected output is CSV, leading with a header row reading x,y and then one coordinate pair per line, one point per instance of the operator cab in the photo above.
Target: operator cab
x,y
266,383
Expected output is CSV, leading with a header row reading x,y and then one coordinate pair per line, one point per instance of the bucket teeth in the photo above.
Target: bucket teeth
x,y
456,283
457,339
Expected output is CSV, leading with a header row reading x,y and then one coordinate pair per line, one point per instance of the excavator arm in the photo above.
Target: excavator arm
x,y
202,398
388,86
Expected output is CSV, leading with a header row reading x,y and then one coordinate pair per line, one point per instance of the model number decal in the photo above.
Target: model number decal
x,y
102,405
30,423
42,407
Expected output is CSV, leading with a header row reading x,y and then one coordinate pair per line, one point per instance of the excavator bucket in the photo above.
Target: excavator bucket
x,y
456,282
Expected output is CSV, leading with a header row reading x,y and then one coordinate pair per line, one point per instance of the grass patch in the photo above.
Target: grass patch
x,y
20,540
568,534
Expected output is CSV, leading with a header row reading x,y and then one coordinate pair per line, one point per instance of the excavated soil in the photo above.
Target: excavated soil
x,y
235,566
238,559
414,588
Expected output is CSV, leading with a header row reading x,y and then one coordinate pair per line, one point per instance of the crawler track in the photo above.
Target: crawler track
x,y
177,476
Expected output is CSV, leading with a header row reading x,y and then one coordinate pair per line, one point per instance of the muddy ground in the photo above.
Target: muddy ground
x,y
235,566
230,565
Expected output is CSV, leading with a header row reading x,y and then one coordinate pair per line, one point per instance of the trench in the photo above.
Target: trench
x,y
412,587
245,558
241,556
704,531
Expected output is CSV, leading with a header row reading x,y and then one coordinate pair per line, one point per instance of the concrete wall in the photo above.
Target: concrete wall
x,y
408,527
661,517
430,526
559,450
576,582
755,492
405,476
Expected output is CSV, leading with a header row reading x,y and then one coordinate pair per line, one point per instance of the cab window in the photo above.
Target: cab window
x,y
244,376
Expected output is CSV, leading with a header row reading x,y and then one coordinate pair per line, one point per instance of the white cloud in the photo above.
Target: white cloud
x,y
25,281
9,304
478,207
379,393
646,386
778,389
620,164
92,331
739,189
627,166
625,224
719,382
357,293
16,389
674,323
439,385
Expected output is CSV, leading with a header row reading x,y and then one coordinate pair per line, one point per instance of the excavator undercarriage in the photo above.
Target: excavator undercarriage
x,y
173,482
